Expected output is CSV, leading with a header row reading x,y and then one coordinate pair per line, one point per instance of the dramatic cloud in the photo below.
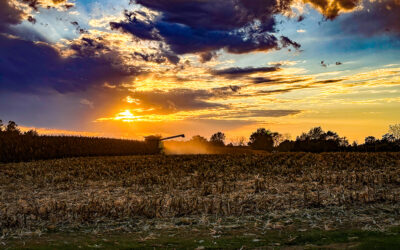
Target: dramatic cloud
x,y
89,47
141,29
252,114
184,39
198,26
263,113
376,18
13,12
35,4
368,18
332,8
223,15
155,57
176,100
239,26
27,66
9,15
308,83
328,81
238,72
259,80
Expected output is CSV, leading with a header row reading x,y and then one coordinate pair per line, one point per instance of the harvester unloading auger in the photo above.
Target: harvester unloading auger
x,y
155,141
172,137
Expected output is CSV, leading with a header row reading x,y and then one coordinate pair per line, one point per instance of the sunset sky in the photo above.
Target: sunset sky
x,y
120,68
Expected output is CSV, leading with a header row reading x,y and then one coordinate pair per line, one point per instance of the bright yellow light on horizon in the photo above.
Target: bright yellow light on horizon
x,y
128,116
125,116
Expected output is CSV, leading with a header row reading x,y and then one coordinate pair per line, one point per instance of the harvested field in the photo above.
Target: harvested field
x,y
294,191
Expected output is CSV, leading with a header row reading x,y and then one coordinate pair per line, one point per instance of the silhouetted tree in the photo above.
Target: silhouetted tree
x,y
12,128
1,126
330,135
395,131
218,139
388,138
317,140
31,133
263,139
370,140
316,134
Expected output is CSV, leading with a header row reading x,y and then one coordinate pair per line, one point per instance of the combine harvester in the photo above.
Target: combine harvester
x,y
156,141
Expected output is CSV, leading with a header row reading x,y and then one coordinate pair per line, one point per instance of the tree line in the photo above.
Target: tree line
x,y
315,140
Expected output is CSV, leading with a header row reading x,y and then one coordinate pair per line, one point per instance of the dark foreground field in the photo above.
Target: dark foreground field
x,y
282,200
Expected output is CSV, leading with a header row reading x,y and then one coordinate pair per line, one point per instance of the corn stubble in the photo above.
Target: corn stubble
x,y
87,191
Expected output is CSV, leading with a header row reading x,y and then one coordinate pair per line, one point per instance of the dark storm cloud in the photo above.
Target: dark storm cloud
x,y
183,39
9,15
371,19
203,27
27,66
223,15
240,26
238,72
141,29
376,18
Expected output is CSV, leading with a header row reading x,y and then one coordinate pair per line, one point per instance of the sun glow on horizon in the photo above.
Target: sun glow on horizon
x,y
130,115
